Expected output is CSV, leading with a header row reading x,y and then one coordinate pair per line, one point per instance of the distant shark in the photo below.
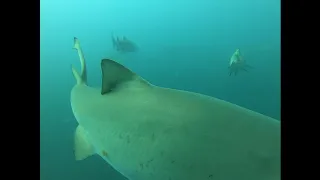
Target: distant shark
x,y
147,132
124,45
237,63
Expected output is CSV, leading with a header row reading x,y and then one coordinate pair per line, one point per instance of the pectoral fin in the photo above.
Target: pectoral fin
x,y
82,146
248,66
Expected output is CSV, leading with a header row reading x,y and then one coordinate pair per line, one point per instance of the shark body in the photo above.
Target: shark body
x,y
237,63
123,45
148,132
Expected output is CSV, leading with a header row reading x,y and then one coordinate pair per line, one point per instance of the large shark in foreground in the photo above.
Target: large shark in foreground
x,y
147,132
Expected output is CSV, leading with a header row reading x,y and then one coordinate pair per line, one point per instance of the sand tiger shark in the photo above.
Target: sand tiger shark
x,y
147,132
123,45
237,63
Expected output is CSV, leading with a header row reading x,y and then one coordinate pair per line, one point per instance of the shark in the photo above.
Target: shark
x,y
124,45
237,63
149,132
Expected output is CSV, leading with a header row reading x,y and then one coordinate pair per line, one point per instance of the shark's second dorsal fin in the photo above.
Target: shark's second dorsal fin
x,y
115,76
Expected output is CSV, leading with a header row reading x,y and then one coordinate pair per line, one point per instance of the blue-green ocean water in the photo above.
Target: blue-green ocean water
x,y
184,44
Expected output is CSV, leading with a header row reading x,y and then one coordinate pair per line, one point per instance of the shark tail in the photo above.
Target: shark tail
x,y
80,78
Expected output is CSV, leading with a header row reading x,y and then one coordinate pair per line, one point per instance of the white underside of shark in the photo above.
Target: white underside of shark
x,y
148,132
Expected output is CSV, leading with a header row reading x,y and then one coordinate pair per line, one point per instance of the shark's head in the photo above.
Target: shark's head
x,y
237,52
234,58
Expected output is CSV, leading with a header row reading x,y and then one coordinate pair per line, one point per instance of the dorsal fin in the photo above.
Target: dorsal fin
x,y
115,75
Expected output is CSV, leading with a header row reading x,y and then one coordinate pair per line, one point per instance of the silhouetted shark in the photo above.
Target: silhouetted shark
x,y
124,45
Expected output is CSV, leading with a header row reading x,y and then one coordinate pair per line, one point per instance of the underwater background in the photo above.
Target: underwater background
x,y
183,44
